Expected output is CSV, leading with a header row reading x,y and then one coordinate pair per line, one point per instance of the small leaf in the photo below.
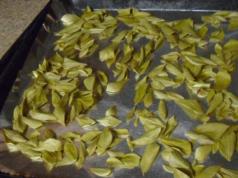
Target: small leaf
x,y
84,120
101,172
42,116
213,130
215,102
148,98
149,137
202,153
105,140
223,80
90,135
192,108
174,159
70,154
111,111
140,90
149,156
109,121
89,82
217,36
115,87
32,123
180,174
200,138
50,145
183,146
163,113
208,172
130,160
114,162
69,19
227,145
14,136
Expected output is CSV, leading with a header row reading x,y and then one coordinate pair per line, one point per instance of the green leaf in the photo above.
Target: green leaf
x,y
180,174
200,138
50,145
84,120
148,98
183,146
223,80
130,160
215,102
111,111
69,19
140,90
213,130
105,140
233,24
115,87
101,172
14,136
170,126
149,137
114,162
163,112
109,121
226,173
149,156
175,160
202,153
90,135
217,36
227,145
192,108
44,117
89,82
208,172
70,154
32,123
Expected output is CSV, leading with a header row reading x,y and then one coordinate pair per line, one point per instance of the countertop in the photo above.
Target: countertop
x,y
15,17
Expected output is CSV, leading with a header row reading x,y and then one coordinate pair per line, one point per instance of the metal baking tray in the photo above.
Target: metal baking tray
x,y
17,164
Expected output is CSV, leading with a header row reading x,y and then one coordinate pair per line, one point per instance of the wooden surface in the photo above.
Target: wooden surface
x,y
15,17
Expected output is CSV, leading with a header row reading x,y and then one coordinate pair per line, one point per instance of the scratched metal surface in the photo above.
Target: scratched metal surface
x,y
43,46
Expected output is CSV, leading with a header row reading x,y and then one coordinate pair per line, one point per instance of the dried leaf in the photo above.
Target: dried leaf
x,y
163,113
215,102
208,172
149,137
104,141
149,156
115,87
227,145
183,146
140,90
14,136
223,80
109,121
84,120
192,108
130,160
50,145
175,160
213,130
101,172
202,153
32,123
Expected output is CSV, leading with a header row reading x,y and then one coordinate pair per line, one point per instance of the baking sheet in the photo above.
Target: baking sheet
x,y
43,46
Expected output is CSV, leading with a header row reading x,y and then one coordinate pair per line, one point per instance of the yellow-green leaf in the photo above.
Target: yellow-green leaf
x,y
149,156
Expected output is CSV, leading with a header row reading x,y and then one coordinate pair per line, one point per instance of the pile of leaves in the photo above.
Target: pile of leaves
x,y
65,87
